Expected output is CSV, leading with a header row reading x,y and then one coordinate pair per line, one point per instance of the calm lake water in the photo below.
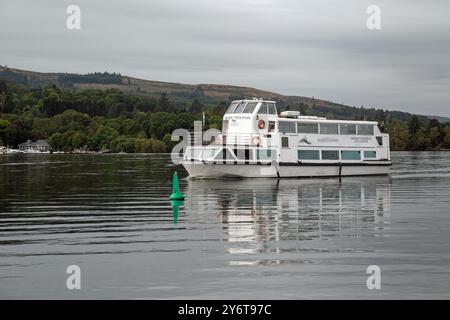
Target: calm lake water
x,y
242,239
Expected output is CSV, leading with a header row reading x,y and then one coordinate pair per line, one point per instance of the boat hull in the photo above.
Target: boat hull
x,y
284,170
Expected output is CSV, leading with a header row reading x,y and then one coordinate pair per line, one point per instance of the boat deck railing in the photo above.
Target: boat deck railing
x,y
248,139
226,152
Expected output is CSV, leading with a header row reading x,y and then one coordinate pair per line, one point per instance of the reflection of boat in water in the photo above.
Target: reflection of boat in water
x,y
253,212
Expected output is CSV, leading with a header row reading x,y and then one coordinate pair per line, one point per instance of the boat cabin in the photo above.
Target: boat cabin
x,y
248,121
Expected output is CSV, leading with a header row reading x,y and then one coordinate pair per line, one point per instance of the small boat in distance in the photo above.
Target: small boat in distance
x,y
5,150
256,141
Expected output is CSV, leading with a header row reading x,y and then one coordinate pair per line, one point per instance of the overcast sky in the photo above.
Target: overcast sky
x,y
312,48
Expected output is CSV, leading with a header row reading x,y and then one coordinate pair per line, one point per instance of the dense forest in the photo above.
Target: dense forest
x,y
95,119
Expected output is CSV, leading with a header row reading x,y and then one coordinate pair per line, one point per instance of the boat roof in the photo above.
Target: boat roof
x,y
253,100
324,120
304,118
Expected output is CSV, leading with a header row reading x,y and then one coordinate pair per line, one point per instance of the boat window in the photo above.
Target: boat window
x,y
193,153
265,154
365,129
286,127
308,155
348,129
208,153
350,155
250,107
227,154
380,141
263,108
370,154
330,155
272,109
308,127
240,107
232,107
285,142
271,126
242,154
329,128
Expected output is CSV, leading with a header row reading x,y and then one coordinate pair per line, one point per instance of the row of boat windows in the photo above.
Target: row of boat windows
x,y
303,154
249,107
326,128
334,155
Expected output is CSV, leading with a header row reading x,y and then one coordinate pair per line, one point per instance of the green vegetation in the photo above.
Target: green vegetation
x,y
415,135
95,119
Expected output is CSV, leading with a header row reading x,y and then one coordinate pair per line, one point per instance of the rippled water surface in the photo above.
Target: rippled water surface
x,y
249,239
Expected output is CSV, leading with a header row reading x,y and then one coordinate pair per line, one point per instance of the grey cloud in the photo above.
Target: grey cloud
x,y
312,48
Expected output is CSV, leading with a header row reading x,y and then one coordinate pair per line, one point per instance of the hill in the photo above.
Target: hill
x,y
108,111
208,94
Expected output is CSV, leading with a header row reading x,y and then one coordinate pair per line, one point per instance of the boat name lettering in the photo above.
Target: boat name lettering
x,y
237,117
360,139
328,140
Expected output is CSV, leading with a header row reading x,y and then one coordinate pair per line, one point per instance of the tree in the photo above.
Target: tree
x,y
195,107
55,141
414,125
51,101
433,123
5,130
160,123
6,103
43,128
103,137
434,137
79,140
163,103
123,144
72,120
3,86
399,135
167,140
446,139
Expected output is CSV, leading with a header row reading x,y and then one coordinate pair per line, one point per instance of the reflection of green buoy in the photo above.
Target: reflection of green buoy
x,y
175,208
176,194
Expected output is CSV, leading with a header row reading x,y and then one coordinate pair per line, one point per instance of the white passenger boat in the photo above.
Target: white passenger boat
x,y
256,141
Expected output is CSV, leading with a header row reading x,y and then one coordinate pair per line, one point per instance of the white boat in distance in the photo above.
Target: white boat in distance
x,y
5,150
256,141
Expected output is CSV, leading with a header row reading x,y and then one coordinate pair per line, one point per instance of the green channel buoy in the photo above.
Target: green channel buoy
x,y
176,194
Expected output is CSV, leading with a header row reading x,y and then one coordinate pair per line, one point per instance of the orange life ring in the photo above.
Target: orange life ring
x,y
261,124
